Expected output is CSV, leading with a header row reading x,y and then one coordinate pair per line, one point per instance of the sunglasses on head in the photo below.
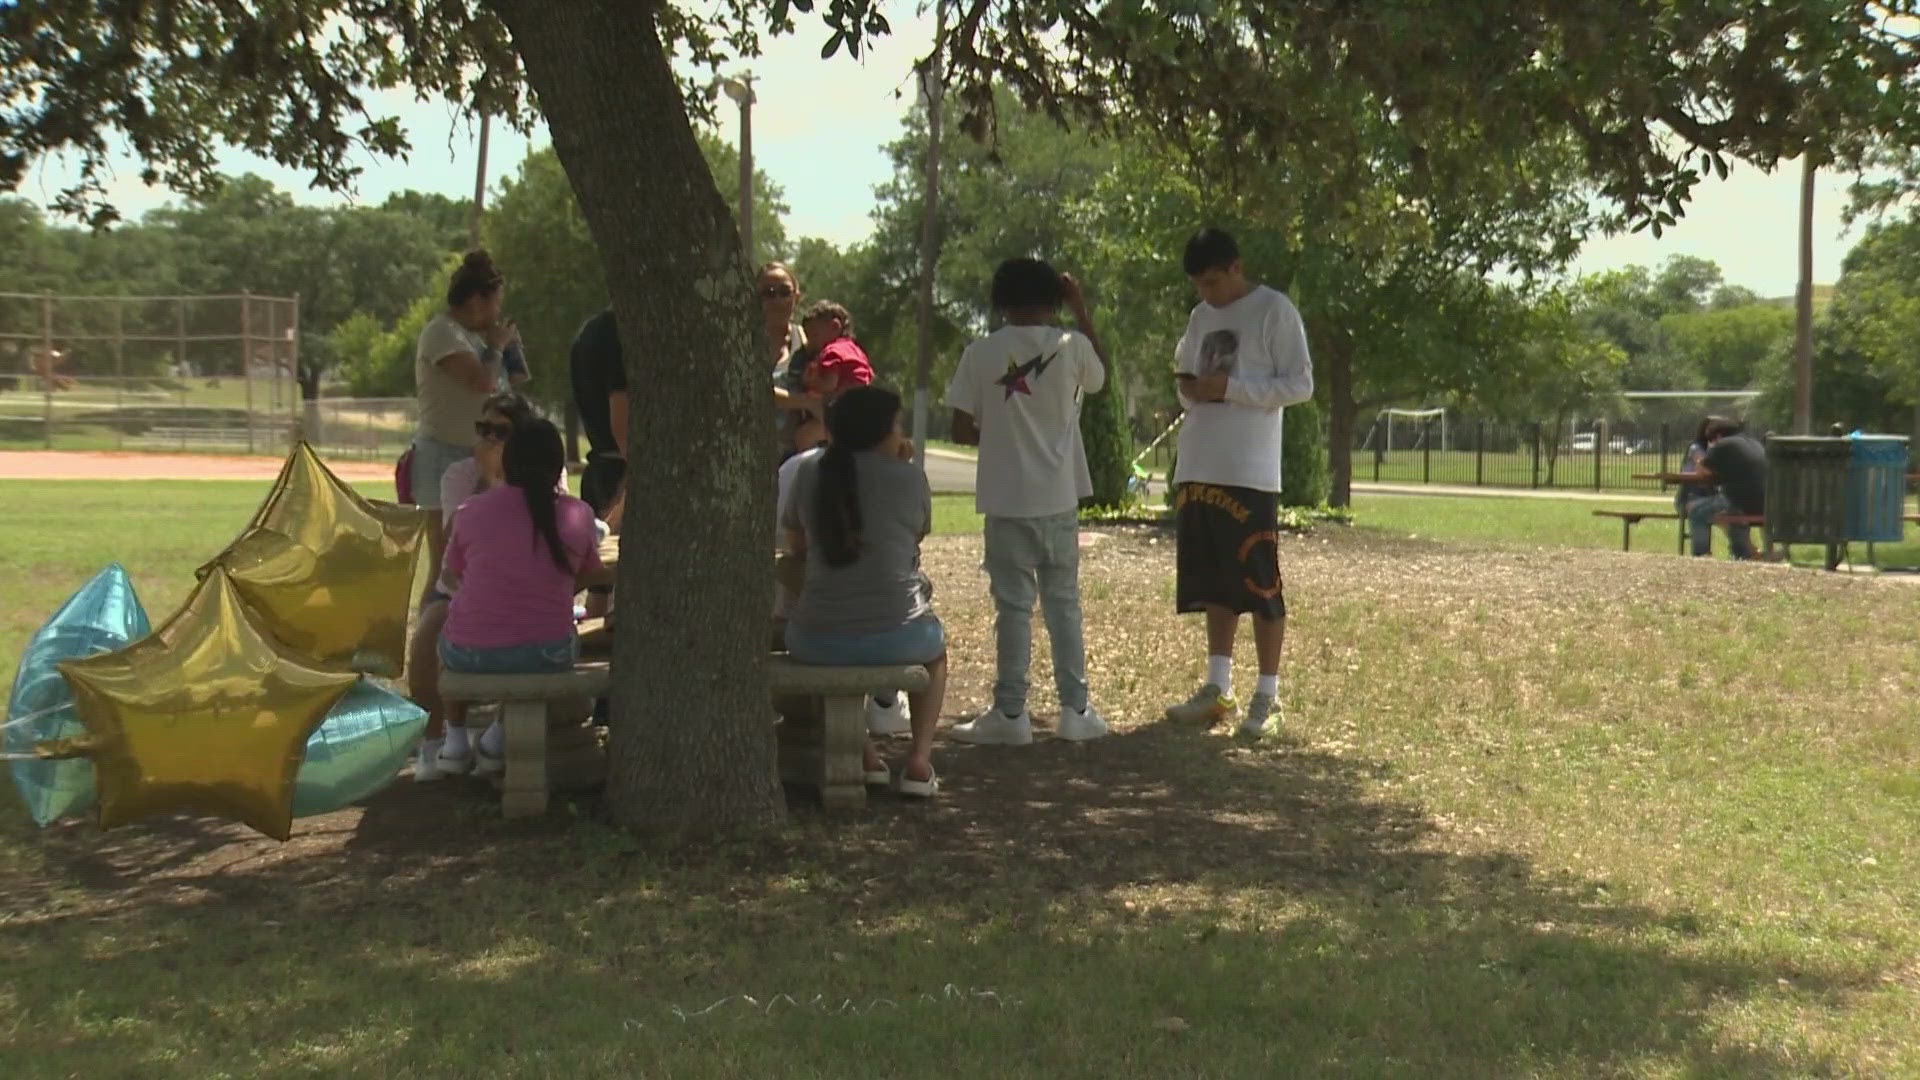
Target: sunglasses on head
x,y
775,292
489,429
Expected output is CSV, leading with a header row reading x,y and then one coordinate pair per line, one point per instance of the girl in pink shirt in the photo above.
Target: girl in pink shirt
x,y
516,552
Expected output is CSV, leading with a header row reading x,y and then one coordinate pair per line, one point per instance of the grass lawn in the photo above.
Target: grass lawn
x,y
1537,809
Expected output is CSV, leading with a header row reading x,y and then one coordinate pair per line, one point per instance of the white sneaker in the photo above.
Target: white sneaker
x,y
995,728
485,764
1260,707
1080,726
426,761
454,764
886,720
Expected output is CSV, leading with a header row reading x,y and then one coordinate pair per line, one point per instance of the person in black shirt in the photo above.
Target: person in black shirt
x,y
1737,465
600,396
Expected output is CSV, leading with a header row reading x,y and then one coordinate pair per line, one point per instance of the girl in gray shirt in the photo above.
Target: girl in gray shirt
x,y
857,514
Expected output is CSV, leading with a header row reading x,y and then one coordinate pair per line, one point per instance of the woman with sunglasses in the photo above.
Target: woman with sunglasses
x,y
445,749
779,294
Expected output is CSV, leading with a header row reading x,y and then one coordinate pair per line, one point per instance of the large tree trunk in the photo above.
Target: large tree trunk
x,y
692,733
1342,412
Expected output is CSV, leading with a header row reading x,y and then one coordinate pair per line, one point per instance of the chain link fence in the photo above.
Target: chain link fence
x,y
149,372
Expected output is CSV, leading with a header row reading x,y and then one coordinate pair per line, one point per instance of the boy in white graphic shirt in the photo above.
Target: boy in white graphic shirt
x,y
1242,360
1017,394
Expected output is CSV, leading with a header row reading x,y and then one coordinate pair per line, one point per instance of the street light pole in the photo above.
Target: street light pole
x,y
1803,305
741,91
931,79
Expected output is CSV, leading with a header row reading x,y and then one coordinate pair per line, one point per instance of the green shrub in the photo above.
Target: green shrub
x,y
1304,479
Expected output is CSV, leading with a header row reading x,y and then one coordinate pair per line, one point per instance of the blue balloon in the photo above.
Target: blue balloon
x,y
357,750
103,616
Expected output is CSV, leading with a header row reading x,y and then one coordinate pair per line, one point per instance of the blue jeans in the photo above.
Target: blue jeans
x,y
1700,517
431,460
539,659
921,641
1028,558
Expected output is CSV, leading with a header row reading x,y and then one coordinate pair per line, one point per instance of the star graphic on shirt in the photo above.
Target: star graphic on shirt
x,y
1015,380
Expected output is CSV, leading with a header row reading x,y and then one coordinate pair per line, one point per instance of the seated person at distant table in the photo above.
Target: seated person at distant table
x,y
1736,464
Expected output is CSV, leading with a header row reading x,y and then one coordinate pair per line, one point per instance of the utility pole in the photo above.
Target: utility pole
x,y
1803,305
479,186
931,79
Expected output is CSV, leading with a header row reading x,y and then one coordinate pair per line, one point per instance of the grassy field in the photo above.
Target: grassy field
x,y
1537,809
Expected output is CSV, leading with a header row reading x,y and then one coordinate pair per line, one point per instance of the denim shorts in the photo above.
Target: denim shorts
x,y
921,641
538,659
431,460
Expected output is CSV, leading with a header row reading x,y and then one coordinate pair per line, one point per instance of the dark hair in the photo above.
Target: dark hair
x,y
1706,424
1027,283
516,409
1719,427
777,265
859,419
475,276
1210,249
827,309
533,461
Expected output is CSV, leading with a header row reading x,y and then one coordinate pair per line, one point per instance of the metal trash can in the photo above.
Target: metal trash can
x,y
1807,489
1877,488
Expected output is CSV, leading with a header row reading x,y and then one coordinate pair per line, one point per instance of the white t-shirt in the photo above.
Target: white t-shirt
x,y
1023,385
1261,344
448,407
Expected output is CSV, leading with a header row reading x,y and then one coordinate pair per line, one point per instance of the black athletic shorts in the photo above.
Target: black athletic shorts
x,y
600,482
1229,550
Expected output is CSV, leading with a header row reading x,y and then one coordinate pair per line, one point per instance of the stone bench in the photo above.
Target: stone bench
x,y
837,698
525,701
822,744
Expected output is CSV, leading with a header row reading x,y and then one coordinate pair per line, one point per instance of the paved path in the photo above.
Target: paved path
x,y
110,465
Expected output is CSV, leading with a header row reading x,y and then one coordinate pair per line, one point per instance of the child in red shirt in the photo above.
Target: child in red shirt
x,y
838,363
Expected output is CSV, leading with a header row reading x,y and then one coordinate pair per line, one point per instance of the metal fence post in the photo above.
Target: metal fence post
x,y
1426,451
1599,447
1665,449
246,358
1480,453
1379,452
1536,453
46,355
119,375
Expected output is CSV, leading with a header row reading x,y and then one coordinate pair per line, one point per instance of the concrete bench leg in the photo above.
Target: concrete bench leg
x,y
524,791
843,749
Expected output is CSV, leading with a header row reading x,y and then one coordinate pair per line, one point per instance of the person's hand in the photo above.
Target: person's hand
x,y
502,334
903,449
1076,297
1205,387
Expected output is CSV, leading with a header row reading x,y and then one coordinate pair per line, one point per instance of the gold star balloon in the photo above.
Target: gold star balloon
x,y
330,572
207,714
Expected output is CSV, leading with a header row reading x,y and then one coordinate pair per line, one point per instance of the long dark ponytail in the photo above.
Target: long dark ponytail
x,y
859,419
533,460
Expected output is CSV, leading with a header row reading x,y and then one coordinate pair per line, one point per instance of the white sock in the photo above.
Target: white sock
x,y
493,742
1220,673
455,744
1268,685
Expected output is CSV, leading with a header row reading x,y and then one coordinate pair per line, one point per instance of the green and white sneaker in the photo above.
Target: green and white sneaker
x,y
1207,707
1260,707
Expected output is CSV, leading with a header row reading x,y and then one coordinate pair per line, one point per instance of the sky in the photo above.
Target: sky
x,y
819,129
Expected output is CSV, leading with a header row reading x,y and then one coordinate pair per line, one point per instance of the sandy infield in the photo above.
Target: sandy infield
x,y
108,465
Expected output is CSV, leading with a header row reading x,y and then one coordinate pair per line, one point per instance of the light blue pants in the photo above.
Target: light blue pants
x,y
1029,558
1700,517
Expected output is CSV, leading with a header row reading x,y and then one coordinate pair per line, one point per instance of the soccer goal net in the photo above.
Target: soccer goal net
x,y
1407,429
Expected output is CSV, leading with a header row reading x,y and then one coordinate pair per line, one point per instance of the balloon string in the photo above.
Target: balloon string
x,y
32,716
